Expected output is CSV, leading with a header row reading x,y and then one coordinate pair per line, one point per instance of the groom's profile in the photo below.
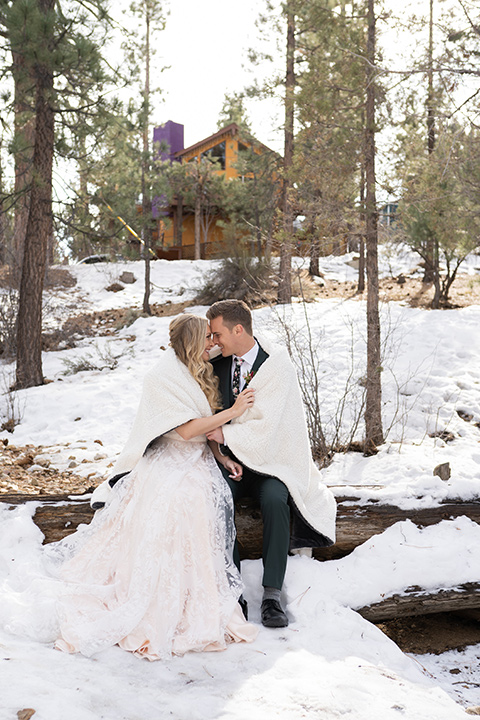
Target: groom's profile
x,y
277,402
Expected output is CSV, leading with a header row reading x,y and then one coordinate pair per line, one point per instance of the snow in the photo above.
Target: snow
x,y
329,662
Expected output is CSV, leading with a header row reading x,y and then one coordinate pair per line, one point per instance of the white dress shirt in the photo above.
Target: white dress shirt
x,y
247,364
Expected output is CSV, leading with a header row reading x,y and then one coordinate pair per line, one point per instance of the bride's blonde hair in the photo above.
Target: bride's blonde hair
x,y
187,338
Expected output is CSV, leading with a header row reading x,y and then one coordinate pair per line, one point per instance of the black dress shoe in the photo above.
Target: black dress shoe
x,y
244,605
273,615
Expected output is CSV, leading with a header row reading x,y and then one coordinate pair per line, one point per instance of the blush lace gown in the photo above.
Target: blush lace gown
x,y
153,571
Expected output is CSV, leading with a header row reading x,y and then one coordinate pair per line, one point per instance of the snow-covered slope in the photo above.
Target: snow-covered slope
x,y
329,662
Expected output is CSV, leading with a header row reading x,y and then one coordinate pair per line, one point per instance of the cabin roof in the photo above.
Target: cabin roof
x,y
227,131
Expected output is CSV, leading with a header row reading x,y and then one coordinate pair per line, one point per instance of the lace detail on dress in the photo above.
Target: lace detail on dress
x,y
153,571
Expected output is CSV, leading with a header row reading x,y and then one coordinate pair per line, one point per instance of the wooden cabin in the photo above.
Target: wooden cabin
x,y
174,236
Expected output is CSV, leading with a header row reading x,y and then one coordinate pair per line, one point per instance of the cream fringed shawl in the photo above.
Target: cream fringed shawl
x,y
271,438
170,397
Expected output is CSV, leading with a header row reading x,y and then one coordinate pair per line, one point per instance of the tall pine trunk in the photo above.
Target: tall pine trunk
x,y
285,280
198,223
373,405
146,199
431,251
24,124
361,242
38,230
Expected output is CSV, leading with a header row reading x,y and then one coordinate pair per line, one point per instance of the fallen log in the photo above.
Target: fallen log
x,y
59,515
417,601
358,523
56,515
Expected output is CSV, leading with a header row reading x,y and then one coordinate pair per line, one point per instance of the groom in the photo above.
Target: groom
x,y
242,356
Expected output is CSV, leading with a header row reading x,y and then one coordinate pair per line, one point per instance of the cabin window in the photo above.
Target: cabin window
x,y
217,152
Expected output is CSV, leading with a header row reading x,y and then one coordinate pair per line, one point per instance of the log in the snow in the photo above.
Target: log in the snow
x,y
59,515
416,601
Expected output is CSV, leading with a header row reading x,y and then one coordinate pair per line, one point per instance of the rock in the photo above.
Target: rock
x,y
99,442
100,456
24,460
474,710
444,435
127,277
25,714
115,287
464,415
42,460
401,279
443,471
72,464
354,262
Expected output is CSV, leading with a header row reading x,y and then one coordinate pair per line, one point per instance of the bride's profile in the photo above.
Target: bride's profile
x,y
153,572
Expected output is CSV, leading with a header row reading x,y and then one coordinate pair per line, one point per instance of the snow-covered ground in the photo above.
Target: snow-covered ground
x,y
329,662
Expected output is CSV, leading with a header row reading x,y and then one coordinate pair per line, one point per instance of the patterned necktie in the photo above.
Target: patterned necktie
x,y
236,376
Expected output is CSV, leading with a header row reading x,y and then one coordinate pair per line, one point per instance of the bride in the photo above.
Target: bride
x,y
153,572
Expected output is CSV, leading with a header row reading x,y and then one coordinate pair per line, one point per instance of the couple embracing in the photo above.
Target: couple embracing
x,y
157,571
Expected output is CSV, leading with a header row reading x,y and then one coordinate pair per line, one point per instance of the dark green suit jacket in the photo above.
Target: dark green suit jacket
x,y
222,367
302,534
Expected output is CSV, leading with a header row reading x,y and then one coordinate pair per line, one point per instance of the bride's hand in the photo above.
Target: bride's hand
x,y
234,468
243,401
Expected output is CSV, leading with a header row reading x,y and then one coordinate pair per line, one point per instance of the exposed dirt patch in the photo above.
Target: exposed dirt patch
x,y
103,323
434,633
16,474
57,277
411,291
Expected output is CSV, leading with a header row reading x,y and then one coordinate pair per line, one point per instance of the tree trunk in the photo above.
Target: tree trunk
x,y
147,239
2,211
24,124
361,264
284,294
373,400
179,228
198,223
418,601
314,267
436,275
39,230
258,230
431,266
146,200
361,246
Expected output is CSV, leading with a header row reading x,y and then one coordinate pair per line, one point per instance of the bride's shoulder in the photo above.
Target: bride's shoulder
x,y
167,363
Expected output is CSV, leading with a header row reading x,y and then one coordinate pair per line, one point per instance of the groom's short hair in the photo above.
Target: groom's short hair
x,y
233,312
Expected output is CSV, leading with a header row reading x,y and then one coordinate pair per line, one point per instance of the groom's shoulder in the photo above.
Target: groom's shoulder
x,y
220,361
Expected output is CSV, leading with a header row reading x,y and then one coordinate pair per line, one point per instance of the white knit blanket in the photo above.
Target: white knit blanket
x,y
170,397
271,438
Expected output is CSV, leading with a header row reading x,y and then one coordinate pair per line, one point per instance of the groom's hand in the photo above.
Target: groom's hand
x,y
217,436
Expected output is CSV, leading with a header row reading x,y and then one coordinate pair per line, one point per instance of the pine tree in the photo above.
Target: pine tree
x,y
373,399
60,54
152,19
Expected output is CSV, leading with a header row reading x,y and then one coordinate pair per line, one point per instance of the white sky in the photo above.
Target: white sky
x,y
205,44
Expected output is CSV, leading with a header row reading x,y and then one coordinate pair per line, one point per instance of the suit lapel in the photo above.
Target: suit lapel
x,y
260,359
222,368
